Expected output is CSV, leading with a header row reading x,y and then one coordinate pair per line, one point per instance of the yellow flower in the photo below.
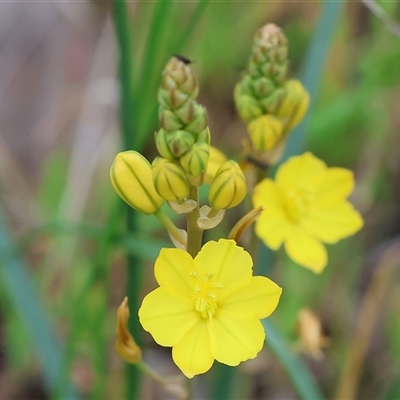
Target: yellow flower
x,y
208,308
305,207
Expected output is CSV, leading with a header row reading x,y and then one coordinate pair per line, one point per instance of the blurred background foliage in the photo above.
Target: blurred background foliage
x,y
63,244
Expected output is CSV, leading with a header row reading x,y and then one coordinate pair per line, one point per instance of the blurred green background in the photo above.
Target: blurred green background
x,y
63,240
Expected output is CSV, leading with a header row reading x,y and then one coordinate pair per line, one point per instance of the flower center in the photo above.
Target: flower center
x,y
205,293
297,202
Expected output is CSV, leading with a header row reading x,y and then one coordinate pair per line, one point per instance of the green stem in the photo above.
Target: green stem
x,y
195,234
170,227
121,20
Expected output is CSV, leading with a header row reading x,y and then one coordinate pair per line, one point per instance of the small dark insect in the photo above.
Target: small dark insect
x,y
257,163
183,59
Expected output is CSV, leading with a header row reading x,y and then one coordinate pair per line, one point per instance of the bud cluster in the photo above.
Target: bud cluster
x,y
270,104
183,142
184,136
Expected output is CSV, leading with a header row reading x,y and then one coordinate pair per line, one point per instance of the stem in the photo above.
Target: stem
x,y
123,34
170,226
195,234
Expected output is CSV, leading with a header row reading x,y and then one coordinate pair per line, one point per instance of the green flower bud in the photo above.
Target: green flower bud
x,y
294,105
179,142
248,107
195,161
228,188
261,89
199,120
132,179
169,180
162,145
169,120
265,132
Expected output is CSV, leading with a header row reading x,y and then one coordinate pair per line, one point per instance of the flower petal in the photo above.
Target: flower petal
x,y
272,227
168,318
266,194
258,299
306,251
193,353
235,337
230,264
332,224
172,271
304,170
337,184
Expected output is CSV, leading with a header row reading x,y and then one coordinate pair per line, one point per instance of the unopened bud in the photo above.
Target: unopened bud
x,y
132,179
125,345
179,142
294,104
169,179
162,146
265,132
248,107
195,161
228,188
216,159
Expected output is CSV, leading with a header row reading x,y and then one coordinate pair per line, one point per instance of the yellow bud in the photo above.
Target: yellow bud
x,y
216,159
195,161
169,180
132,179
265,132
294,104
125,345
228,188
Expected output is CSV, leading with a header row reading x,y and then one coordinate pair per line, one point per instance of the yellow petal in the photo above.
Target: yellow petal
x,y
172,271
332,224
259,298
168,318
337,184
230,264
193,353
303,170
306,251
272,227
266,193
236,337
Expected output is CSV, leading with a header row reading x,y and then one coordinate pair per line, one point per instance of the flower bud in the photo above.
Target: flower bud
x,y
162,146
169,179
132,179
199,120
169,121
216,159
195,161
179,142
228,188
125,345
265,132
248,107
294,104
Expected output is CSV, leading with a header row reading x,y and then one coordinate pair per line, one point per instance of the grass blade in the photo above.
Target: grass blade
x,y
15,277
297,371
